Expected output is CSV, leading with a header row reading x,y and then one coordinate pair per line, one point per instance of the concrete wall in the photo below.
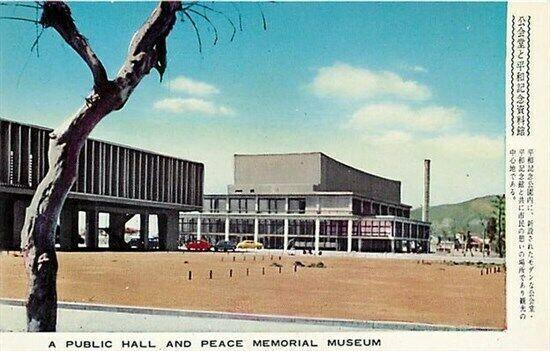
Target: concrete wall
x,y
337,176
272,174
307,172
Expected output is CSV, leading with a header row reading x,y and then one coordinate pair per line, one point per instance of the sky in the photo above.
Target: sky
x,y
378,86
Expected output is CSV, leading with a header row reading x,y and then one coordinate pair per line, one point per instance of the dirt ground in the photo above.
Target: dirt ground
x,y
350,288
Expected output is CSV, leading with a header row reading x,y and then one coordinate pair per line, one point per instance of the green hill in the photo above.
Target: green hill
x,y
461,217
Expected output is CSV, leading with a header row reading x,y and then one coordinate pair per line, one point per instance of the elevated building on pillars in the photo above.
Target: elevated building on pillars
x,y
308,201
114,179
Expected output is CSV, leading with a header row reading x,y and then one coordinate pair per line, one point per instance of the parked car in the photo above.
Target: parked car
x,y
153,243
135,242
250,244
225,245
198,245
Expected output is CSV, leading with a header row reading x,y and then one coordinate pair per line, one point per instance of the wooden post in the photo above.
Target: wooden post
x,y
190,275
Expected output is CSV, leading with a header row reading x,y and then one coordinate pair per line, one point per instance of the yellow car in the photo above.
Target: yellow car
x,y
250,244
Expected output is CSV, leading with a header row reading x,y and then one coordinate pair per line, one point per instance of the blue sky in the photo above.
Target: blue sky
x,y
379,86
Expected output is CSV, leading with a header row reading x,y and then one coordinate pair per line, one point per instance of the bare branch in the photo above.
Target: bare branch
x,y
36,6
209,22
147,49
198,34
35,43
224,15
240,16
58,16
264,22
20,19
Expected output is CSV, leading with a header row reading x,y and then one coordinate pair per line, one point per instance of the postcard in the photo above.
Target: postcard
x,y
274,175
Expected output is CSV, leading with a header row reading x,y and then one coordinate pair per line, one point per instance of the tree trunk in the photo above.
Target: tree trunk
x,y
38,234
147,51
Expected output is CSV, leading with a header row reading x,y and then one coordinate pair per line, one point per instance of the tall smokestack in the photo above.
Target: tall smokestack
x,y
426,205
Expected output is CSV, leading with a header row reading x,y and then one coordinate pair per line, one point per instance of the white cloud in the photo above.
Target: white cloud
x,y
191,106
345,81
464,165
419,69
404,117
192,87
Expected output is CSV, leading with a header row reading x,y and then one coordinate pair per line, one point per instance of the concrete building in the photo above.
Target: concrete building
x,y
308,201
114,179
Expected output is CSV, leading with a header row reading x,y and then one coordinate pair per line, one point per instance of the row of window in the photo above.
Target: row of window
x,y
370,208
248,205
295,205
337,228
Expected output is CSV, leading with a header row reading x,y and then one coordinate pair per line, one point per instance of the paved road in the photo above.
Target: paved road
x,y
12,318
73,317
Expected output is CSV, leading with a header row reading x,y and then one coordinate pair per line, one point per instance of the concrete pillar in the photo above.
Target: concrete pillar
x,y
285,235
19,210
6,224
68,228
144,230
256,228
350,233
359,245
92,229
168,230
199,229
317,233
392,244
162,229
226,228
172,231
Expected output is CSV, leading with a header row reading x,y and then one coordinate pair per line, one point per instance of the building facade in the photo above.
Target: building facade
x,y
308,201
118,180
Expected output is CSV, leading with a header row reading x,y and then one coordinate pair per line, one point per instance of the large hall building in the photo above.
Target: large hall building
x,y
308,201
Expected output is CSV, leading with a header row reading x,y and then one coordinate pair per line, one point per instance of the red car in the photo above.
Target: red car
x,y
198,245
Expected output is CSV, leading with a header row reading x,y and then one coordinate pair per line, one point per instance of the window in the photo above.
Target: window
x,y
271,226
212,225
241,226
188,225
334,228
356,207
272,205
242,205
297,205
217,205
301,227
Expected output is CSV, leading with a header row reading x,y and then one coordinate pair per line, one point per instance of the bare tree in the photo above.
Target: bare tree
x,y
147,51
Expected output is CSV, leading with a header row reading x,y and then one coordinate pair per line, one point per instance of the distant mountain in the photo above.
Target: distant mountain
x,y
451,218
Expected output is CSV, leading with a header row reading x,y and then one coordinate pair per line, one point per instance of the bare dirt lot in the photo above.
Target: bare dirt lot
x,y
350,288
